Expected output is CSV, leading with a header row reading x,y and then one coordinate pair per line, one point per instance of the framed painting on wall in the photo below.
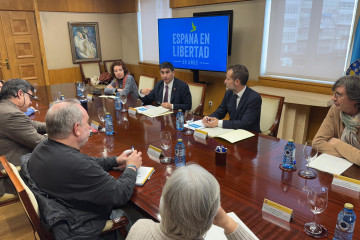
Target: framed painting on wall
x,y
84,41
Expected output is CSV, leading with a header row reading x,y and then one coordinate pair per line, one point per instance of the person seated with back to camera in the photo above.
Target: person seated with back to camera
x,y
123,82
189,205
339,133
170,93
76,195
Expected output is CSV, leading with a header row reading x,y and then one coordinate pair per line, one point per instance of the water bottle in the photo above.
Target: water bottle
x,y
78,91
289,155
109,128
180,120
180,153
62,97
345,223
117,101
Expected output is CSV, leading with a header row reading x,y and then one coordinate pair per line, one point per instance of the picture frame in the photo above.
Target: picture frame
x,y
84,41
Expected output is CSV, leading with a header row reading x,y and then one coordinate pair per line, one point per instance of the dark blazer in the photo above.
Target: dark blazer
x,y
180,95
247,114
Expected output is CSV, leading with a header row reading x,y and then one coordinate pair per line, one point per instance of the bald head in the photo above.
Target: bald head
x,y
61,118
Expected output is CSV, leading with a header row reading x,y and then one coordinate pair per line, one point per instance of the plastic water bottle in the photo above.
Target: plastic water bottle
x,y
345,223
289,155
109,128
62,97
117,101
180,120
180,153
78,91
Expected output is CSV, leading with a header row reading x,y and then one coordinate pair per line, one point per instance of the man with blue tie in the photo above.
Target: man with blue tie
x,y
170,93
241,102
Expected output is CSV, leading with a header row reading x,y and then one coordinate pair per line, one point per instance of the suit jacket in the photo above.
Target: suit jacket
x,y
18,134
245,116
180,95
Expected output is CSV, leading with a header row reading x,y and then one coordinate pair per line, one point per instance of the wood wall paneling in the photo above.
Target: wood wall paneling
x,y
53,6
190,3
65,75
25,5
99,6
80,5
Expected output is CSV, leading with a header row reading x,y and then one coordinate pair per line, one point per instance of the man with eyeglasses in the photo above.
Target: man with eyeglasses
x,y
18,134
339,133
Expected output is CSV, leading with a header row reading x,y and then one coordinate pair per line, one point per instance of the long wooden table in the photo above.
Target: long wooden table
x,y
251,174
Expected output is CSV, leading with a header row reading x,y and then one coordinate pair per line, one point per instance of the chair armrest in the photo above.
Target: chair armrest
x,y
198,110
117,223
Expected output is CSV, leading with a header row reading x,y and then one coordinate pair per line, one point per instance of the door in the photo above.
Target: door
x,y
21,50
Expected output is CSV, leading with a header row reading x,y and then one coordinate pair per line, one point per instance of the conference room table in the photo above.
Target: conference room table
x,y
251,173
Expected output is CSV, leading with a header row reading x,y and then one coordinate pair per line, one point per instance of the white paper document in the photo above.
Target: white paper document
x,y
144,108
107,96
195,125
230,135
330,164
157,111
217,233
216,131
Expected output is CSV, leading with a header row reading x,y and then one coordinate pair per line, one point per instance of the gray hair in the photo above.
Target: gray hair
x,y
239,72
189,203
352,87
61,118
12,86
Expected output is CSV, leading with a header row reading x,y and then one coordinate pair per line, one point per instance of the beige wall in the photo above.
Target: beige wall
x,y
118,36
248,23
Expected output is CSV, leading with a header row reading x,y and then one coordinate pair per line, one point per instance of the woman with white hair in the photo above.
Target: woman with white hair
x,y
189,205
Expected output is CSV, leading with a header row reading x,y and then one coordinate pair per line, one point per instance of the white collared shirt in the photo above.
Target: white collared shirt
x,y
220,122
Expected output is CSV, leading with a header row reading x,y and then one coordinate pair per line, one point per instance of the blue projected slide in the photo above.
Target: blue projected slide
x,y
199,43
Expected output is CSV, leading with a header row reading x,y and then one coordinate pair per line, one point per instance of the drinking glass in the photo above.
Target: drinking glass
x,y
123,99
317,200
36,87
310,154
101,112
189,118
165,142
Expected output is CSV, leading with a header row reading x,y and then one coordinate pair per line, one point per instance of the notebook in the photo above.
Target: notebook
x,y
143,175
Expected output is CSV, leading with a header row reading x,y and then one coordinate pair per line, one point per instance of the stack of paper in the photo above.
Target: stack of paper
x,y
143,175
195,125
144,108
217,233
156,111
330,164
230,135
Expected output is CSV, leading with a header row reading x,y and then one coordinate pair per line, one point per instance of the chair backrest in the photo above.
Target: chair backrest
x,y
27,199
271,109
107,64
197,91
89,69
147,81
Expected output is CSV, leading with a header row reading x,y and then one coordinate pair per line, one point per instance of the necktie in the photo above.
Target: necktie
x,y
166,94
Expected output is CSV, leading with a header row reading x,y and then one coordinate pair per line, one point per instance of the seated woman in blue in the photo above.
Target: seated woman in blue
x,y
123,82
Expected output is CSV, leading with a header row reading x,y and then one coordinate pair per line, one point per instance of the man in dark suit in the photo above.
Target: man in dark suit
x,y
170,93
241,102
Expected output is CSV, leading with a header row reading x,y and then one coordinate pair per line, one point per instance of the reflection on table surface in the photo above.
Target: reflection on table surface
x,y
251,173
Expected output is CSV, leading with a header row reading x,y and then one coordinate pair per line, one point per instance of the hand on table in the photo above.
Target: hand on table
x,y
134,158
166,105
210,122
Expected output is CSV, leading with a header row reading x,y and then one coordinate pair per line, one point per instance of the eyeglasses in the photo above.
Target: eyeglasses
x,y
30,95
337,95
